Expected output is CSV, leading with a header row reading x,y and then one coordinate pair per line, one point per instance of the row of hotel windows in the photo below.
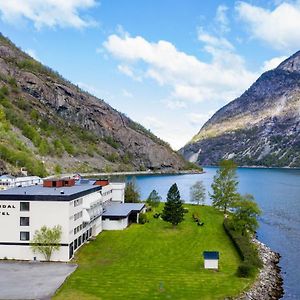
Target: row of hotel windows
x,y
77,202
77,215
78,228
107,193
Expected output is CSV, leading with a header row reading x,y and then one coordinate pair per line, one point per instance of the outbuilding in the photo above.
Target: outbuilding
x,y
211,259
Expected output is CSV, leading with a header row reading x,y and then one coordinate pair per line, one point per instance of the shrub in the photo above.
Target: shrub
x,y
185,210
245,270
143,218
245,248
110,140
156,215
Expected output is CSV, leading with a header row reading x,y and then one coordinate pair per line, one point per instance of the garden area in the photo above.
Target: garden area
x,y
157,261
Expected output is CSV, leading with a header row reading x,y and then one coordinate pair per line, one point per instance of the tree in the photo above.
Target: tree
x,y
173,211
224,186
198,192
245,214
46,241
57,170
153,199
132,194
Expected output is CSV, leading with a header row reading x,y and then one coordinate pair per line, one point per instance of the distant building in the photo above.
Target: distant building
x,y
8,181
83,209
211,259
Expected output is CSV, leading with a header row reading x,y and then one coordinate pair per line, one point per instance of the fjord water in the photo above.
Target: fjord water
x,y
277,192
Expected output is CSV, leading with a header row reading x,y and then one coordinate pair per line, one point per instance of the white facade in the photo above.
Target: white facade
x,y
115,224
78,209
211,263
8,181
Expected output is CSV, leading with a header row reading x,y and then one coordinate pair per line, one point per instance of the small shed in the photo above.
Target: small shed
x,y
211,259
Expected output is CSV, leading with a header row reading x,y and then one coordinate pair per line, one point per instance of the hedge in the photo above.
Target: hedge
x,y
245,248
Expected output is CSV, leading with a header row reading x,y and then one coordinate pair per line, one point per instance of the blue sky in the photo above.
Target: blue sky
x,y
166,64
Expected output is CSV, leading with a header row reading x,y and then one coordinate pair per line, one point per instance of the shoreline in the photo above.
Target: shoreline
x,y
269,282
132,173
257,167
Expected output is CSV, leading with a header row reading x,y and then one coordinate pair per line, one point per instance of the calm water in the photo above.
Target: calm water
x,y
278,193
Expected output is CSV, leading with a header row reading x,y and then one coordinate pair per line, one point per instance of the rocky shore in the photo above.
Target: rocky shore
x,y
269,282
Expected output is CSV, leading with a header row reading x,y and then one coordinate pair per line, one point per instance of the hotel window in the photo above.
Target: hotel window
x,y
24,236
24,206
24,221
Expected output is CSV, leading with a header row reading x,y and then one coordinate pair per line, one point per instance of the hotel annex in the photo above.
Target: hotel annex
x,y
82,208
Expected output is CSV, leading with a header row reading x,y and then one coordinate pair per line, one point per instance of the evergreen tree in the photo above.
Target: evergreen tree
x,y
224,186
245,214
173,211
153,199
132,194
198,192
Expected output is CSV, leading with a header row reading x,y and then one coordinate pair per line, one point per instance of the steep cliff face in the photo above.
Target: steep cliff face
x,y
47,123
260,128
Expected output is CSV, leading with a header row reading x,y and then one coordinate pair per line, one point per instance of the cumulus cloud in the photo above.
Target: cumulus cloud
x,y
279,28
273,63
47,13
129,71
190,79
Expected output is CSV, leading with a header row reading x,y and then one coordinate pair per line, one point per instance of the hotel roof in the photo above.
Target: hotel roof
x,y
40,193
116,209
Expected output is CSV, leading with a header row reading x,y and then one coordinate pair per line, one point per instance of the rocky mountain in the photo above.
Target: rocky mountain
x,y
48,125
260,128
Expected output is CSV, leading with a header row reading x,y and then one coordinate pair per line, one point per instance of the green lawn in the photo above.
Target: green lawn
x,y
155,261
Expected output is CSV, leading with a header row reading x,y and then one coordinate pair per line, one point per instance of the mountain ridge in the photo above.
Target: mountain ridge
x,y
50,125
259,128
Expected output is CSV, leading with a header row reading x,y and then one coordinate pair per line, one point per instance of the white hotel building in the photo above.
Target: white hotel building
x,y
83,209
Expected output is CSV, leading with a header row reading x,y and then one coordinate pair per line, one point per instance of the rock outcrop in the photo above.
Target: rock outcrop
x,y
268,285
60,124
260,128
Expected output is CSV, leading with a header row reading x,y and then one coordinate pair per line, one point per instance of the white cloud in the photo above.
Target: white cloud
x,y
32,53
273,63
174,104
47,13
129,71
198,119
190,79
222,19
279,28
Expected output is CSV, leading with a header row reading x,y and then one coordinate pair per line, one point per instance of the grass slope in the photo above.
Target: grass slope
x,y
155,261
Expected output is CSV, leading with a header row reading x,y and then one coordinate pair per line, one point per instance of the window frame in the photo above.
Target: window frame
x,y
25,232
22,203
27,218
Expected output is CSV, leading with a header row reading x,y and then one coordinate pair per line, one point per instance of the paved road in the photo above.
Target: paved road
x,y
35,280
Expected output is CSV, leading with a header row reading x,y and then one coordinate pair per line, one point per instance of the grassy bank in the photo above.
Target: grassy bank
x,y
154,261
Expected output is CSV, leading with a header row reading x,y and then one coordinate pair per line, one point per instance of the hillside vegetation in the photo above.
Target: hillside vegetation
x,y
49,125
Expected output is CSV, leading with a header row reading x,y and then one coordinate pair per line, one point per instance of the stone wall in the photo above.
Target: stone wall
x,y
268,285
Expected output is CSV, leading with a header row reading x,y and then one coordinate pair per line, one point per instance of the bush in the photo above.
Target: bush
x,y
156,215
245,270
185,210
143,218
245,248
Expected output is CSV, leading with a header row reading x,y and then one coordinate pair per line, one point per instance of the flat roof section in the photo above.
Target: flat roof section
x,y
116,209
40,193
211,254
